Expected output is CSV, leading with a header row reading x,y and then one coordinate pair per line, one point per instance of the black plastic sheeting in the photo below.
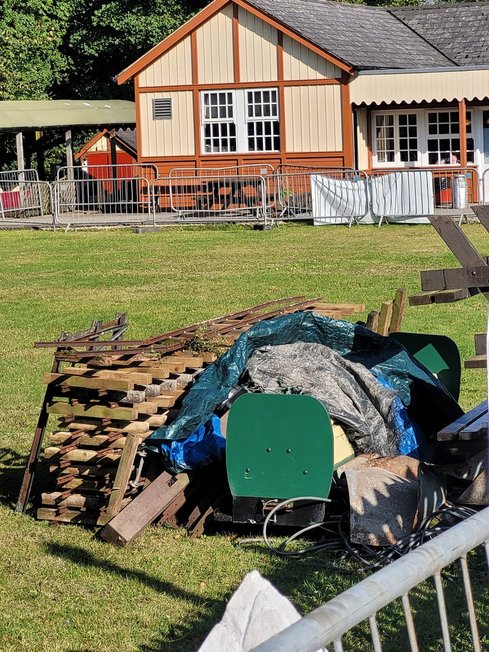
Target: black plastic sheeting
x,y
428,402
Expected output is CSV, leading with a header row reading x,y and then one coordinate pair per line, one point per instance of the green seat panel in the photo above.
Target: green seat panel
x,y
279,446
438,353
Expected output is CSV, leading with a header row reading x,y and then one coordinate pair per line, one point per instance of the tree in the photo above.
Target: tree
x,y
31,34
106,36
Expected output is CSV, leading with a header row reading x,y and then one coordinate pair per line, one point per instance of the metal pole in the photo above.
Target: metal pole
x,y
330,621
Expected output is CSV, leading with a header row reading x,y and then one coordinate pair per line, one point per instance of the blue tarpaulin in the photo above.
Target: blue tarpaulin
x,y
427,400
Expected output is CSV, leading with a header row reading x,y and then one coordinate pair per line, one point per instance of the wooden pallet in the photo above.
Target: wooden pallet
x,y
110,396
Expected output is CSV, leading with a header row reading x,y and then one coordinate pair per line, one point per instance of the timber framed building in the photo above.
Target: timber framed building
x,y
317,83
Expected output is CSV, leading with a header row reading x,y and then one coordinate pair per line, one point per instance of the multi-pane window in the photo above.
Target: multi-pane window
x,y
219,122
408,137
262,118
444,138
396,137
384,138
240,121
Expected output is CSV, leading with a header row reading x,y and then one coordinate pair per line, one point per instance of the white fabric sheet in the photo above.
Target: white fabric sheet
x,y
334,201
255,612
401,197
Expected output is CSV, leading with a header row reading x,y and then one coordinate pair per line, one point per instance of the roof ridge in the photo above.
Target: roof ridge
x,y
439,5
391,12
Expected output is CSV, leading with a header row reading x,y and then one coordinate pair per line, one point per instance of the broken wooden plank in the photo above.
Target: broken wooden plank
x,y
452,430
123,473
476,362
115,384
385,317
144,509
373,320
71,516
398,310
84,456
480,340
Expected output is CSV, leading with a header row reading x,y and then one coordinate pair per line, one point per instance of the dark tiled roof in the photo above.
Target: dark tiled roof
x,y
127,136
364,37
461,31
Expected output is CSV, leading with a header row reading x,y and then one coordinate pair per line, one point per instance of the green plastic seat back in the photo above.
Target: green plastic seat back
x,y
279,446
438,353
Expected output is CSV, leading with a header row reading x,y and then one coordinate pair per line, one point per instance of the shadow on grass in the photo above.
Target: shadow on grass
x,y
203,618
12,466
84,558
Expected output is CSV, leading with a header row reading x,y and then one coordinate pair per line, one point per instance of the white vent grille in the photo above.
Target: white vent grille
x,y
162,109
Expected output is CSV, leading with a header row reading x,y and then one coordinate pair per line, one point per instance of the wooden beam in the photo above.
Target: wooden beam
x,y
398,310
458,243
460,277
144,509
69,152
385,317
19,143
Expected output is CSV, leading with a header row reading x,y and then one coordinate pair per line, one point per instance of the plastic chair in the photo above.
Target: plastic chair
x,y
438,353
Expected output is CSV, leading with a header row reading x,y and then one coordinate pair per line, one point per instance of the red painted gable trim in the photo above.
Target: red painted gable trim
x,y
204,15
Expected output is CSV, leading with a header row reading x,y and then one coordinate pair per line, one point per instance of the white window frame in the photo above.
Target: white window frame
x,y
449,136
256,119
241,120
420,136
205,121
422,125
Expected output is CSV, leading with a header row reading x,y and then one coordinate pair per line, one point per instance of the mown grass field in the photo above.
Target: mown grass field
x,y
61,590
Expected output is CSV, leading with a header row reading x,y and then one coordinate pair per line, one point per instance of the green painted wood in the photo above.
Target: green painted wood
x,y
438,353
279,446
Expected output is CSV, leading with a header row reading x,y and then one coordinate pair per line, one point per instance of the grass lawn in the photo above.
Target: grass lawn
x,y
60,588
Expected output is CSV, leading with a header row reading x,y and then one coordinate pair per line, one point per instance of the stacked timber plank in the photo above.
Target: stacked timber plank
x,y
104,415
109,396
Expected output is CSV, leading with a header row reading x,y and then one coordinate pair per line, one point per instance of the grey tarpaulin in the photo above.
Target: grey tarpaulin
x,y
348,390
429,402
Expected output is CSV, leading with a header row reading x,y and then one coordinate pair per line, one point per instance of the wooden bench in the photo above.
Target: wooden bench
x,y
471,425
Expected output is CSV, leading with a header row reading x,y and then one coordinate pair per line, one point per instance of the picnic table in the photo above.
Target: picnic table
x,y
471,425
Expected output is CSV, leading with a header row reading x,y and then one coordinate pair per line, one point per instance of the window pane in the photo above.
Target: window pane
x,y
262,113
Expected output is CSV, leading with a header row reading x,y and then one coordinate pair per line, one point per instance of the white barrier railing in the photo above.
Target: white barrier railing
x,y
454,187
230,171
484,187
120,200
212,197
117,171
329,623
24,201
130,193
19,175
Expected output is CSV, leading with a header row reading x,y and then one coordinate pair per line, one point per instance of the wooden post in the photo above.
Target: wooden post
x,y
39,147
69,153
19,141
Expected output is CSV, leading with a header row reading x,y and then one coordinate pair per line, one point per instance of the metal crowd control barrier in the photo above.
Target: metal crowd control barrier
x,y
333,620
212,197
329,195
418,192
118,171
19,175
110,200
24,201
230,171
484,187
